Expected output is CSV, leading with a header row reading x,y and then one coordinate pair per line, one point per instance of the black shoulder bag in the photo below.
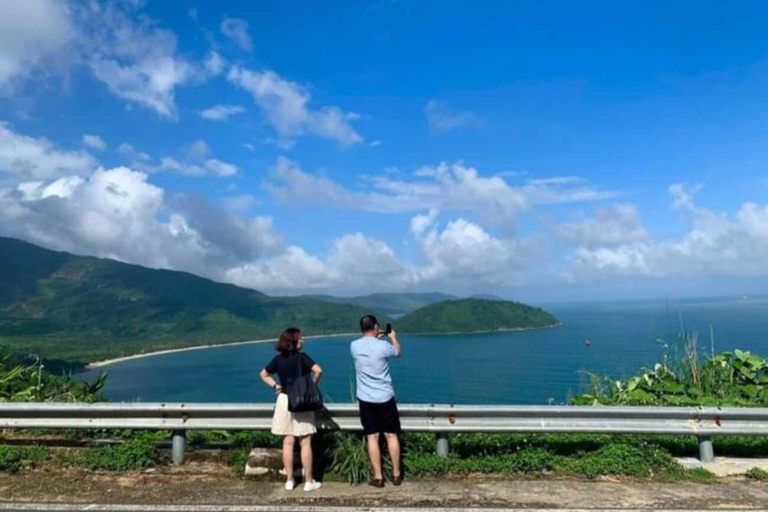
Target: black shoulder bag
x,y
304,395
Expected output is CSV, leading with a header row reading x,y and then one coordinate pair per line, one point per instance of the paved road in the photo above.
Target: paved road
x,y
56,507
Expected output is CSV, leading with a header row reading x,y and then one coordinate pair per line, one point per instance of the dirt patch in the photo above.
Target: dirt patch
x,y
210,482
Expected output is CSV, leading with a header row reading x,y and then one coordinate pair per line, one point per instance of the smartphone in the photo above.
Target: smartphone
x,y
389,329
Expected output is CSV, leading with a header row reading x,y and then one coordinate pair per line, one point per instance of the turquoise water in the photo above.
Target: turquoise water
x,y
533,367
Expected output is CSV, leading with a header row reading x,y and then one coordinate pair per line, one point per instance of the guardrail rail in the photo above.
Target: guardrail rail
x,y
441,419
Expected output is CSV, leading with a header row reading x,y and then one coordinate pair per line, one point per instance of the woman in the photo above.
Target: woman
x,y
292,424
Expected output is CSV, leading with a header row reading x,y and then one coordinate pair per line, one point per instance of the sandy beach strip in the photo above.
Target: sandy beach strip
x,y
107,362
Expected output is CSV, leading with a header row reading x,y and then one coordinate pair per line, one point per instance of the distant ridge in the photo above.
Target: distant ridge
x,y
84,309
475,315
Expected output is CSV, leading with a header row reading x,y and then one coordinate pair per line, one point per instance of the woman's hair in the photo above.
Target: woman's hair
x,y
289,341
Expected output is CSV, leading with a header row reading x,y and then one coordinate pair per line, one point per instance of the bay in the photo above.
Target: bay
x,y
529,367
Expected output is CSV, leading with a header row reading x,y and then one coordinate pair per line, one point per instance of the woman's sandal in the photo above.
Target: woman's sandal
x,y
377,482
397,480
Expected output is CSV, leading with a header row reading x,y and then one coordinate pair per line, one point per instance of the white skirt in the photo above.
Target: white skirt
x,y
287,423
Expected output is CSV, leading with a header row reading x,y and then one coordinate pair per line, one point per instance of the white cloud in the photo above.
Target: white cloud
x,y
25,157
210,166
464,251
236,29
194,162
34,35
134,58
420,223
94,142
442,119
717,244
447,187
214,64
617,225
117,214
221,112
286,107
374,143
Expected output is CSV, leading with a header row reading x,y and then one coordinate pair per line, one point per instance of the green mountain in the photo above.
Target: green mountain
x,y
82,309
474,315
389,303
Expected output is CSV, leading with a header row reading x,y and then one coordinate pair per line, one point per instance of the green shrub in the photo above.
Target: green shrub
x,y
16,458
237,461
138,453
757,474
619,459
735,378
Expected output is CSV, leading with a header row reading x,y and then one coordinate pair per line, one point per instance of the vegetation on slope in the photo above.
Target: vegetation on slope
x,y
76,308
475,315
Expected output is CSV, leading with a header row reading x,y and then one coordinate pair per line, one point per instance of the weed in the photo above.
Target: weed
x,y
757,474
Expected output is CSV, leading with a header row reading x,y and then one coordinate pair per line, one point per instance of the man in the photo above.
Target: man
x,y
378,409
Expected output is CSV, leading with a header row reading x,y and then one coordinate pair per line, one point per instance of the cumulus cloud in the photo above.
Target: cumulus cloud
x,y
237,30
135,58
286,106
446,187
34,35
221,112
23,157
193,162
94,142
117,214
442,119
464,251
616,225
717,244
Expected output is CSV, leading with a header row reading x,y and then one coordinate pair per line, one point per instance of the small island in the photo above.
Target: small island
x,y
475,315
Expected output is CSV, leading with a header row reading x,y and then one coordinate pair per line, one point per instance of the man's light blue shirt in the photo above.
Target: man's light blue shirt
x,y
372,355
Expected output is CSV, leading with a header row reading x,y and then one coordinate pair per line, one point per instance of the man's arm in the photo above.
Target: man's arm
x,y
395,343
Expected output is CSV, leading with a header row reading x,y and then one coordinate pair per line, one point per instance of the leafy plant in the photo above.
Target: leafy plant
x,y
16,458
737,378
30,382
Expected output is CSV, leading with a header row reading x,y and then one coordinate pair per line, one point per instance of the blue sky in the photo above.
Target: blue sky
x,y
537,150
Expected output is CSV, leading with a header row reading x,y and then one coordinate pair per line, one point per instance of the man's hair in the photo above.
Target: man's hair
x,y
368,323
289,341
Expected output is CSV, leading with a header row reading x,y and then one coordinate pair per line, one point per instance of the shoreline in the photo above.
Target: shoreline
x,y
491,331
107,362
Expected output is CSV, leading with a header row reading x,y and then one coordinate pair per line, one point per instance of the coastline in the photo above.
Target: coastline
x,y
490,331
107,362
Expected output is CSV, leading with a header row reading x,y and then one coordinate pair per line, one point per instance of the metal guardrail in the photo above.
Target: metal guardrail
x,y
440,419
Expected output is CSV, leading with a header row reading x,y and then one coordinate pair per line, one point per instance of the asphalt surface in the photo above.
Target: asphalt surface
x,y
56,507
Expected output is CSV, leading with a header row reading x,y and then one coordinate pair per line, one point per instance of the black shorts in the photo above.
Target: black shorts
x,y
377,418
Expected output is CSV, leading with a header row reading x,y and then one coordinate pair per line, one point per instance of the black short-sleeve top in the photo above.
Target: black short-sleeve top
x,y
288,369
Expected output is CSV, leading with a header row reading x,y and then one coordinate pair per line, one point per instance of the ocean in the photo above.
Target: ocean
x,y
530,367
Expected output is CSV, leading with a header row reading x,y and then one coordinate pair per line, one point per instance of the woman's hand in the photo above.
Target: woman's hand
x,y
278,389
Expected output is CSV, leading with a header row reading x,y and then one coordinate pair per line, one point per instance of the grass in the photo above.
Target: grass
x,y
757,474
138,453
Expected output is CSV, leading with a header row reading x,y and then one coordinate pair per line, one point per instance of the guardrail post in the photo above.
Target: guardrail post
x,y
706,452
179,442
442,444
